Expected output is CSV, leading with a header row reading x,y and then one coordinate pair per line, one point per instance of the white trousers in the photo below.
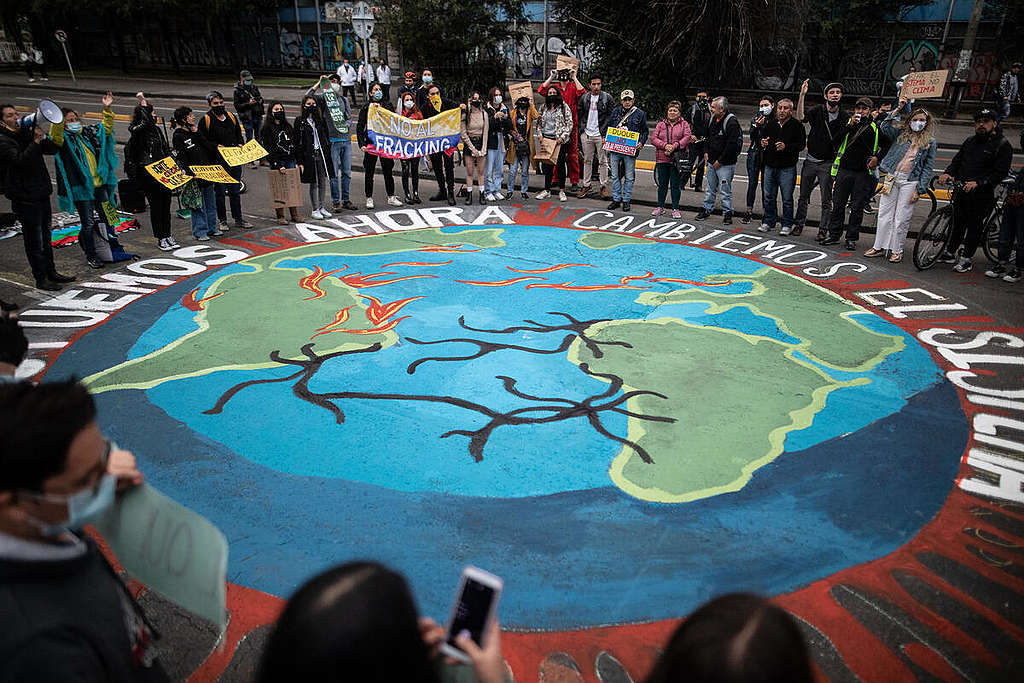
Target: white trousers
x,y
894,213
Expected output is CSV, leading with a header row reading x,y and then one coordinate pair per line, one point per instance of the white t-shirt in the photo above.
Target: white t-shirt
x,y
592,127
384,75
347,74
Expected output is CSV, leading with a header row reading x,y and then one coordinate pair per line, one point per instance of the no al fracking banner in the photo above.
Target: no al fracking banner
x,y
397,137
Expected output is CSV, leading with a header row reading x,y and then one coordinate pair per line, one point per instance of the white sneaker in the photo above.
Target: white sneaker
x,y
324,213
163,245
173,242
316,214
543,194
369,202
785,231
394,201
764,227
963,264
561,196
489,196
222,226
498,196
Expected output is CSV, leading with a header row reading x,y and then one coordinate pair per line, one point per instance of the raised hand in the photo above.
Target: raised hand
x,y
107,100
804,86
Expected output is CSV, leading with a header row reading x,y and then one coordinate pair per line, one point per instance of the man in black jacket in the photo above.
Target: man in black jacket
x,y
592,113
26,182
826,121
224,130
982,162
725,138
64,614
249,105
699,117
782,139
860,146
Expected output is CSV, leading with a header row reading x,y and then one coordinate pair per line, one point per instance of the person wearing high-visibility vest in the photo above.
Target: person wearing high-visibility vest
x,y
861,145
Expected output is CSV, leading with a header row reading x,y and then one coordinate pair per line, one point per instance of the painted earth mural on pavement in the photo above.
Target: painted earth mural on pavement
x,y
620,427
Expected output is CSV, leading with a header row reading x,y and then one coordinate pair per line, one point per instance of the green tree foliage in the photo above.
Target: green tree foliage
x,y
459,41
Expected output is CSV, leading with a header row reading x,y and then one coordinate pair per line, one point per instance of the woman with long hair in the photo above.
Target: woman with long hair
x,y
313,153
671,137
910,162
555,124
278,137
474,142
387,166
497,128
148,144
411,166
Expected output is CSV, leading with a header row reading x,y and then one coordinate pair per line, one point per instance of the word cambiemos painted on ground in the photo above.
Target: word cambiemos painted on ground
x,y
500,379
397,137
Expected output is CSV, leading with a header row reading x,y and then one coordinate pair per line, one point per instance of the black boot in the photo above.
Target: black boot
x,y
469,198
54,276
47,285
416,197
440,196
8,306
451,195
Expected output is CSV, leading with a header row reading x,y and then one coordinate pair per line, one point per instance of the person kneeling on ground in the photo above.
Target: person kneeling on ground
x,y
64,613
735,638
359,622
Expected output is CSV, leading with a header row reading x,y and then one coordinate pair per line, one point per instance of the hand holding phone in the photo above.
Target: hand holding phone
x,y
476,602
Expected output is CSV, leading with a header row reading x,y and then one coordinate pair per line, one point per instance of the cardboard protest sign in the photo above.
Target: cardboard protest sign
x,y
547,151
397,137
924,84
214,173
171,549
517,90
566,62
168,173
621,140
247,153
285,188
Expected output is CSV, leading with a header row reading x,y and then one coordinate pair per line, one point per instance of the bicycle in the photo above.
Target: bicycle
x,y
934,235
990,239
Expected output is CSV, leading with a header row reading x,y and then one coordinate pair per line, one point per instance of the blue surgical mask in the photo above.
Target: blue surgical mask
x,y
428,79
377,94
74,127
765,110
84,506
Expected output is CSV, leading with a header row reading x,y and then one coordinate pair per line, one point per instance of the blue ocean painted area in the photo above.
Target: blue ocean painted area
x,y
295,492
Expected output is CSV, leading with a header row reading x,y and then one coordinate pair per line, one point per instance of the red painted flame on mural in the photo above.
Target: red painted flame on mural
x,y
359,281
416,263
570,287
311,282
551,269
448,249
340,317
190,302
379,312
499,283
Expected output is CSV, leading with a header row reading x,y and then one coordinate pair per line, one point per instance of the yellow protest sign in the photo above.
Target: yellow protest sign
x,y
214,173
247,153
168,173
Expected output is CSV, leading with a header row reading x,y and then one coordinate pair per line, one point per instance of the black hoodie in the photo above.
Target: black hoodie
x,y
985,159
25,177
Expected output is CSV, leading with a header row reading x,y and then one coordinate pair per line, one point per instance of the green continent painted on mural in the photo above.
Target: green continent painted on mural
x,y
735,406
246,316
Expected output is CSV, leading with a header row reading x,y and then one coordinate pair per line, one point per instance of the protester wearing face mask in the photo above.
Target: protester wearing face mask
x,y
86,168
64,612
498,125
192,148
826,122
982,162
278,138
337,116
475,125
782,140
423,91
148,144
249,105
312,155
387,166
699,118
570,89
555,124
224,129
411,166
444,168
755,160
670,138
909,161
521,147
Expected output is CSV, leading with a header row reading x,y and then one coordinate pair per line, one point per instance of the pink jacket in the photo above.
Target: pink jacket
x,y
677,133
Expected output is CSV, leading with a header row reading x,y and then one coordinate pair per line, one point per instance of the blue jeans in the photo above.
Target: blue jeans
x,y
494,173
86,236
1012,230
234,195
1004,109
341,157
719,180
522,166
622,188
252,128
204,220
776,179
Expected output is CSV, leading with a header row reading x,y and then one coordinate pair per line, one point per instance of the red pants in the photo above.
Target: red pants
x,y
572,159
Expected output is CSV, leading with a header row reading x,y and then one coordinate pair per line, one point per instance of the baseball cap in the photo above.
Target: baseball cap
x,y
626,94
985,113
244,74
865,102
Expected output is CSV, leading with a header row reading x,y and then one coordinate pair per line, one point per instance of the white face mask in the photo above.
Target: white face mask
x,y
497,99
408,104
765,110
917,126
335,87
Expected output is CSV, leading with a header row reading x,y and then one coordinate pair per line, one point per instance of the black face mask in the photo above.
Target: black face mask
x,y
476,103
554,99
279,116
309,107
218,110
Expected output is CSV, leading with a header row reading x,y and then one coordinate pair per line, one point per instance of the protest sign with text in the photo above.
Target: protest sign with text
x,y
517,90
566,63
285,188
397,137
247,153
214,173
334,106
621,140
924,84
168,173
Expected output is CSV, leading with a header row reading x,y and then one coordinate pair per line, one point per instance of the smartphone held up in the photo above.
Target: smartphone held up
x,y
475,607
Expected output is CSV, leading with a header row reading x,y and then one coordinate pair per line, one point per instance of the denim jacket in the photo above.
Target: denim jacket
x,y
924,162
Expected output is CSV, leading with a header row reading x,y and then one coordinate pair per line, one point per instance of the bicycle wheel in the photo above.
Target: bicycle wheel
x,y
934,201
932,238
990,235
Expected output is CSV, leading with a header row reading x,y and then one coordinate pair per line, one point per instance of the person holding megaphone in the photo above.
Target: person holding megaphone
x,y
27,184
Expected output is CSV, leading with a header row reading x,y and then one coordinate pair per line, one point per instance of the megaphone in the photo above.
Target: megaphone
x,y
47,111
